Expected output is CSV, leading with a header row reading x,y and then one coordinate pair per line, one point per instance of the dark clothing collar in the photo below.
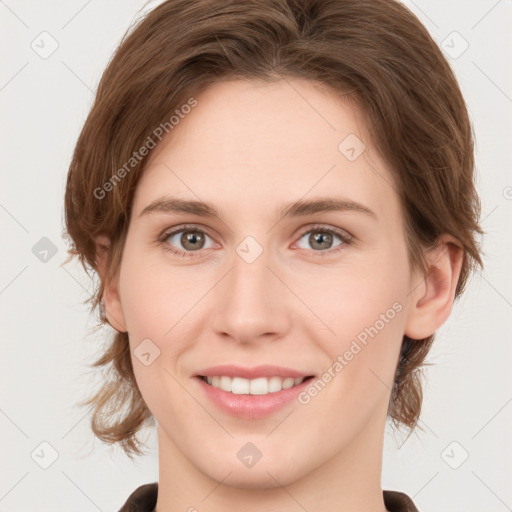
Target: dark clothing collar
x,y
143,499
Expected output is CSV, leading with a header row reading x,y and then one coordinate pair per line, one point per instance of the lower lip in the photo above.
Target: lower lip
x,y
251,406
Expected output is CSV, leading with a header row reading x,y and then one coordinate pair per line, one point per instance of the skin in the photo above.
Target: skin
x,y
248,148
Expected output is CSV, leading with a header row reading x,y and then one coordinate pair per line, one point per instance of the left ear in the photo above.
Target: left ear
x,y
432,300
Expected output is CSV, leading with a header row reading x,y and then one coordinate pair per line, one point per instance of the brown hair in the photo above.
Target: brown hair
x,y
376,52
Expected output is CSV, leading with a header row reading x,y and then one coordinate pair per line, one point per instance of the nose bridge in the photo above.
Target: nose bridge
x,y
251,300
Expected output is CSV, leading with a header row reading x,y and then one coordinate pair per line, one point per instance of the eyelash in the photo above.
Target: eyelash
x,y
345,238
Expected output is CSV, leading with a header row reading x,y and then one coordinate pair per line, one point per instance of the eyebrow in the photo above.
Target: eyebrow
x,y
300,208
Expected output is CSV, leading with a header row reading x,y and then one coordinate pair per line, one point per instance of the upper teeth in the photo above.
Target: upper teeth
x,y
260,386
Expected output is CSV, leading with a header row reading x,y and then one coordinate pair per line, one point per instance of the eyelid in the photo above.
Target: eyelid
x,y
185,227
342,233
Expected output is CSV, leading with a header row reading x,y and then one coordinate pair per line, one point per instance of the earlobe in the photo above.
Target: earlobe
x,y
110,299
432,299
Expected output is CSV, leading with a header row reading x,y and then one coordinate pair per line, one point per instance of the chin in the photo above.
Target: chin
x,y
265,474
242,478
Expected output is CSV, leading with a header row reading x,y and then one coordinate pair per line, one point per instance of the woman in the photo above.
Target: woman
x,y
278,198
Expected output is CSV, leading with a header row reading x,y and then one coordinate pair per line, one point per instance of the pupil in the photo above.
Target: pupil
x,y
319,237
191,240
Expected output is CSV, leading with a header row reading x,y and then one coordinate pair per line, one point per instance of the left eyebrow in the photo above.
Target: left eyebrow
x,y
300,208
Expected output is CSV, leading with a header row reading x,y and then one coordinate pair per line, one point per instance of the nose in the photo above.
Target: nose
x,y
252,302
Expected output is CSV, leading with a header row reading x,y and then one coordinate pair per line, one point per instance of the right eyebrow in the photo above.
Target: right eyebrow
x,y
169,204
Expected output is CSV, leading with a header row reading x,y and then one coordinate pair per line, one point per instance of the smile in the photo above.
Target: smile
x,y
238,400
258,386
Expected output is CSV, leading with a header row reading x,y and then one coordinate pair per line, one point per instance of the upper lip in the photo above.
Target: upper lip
x,y
254,372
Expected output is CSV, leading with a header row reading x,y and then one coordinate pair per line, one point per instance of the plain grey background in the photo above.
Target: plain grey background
x,y
53,54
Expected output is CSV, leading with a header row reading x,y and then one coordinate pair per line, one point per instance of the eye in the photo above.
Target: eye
x,y
186,240
321,239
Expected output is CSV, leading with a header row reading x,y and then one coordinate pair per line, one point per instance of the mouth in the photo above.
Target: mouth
x,y
255,395
257,386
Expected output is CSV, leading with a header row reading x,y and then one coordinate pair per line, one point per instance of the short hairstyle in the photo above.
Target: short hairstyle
x,y
375,53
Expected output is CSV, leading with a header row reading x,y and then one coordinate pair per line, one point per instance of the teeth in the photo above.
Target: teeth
x,y
260,386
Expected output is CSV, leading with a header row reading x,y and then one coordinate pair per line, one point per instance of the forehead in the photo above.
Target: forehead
x,y
249,120
250,143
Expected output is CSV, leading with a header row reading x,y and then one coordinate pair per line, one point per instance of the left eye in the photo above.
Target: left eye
x,y
321,239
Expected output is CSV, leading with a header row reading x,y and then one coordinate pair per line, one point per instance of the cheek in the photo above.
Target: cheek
x,y
350,299
162,308
156,304
156,296
366,310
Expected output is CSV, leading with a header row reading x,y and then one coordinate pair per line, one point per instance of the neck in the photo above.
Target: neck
x,y
349,481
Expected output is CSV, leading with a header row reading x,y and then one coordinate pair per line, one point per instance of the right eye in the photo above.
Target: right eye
x,y
189,240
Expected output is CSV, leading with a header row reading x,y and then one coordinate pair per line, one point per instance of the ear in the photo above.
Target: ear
x,y
432,299
111,299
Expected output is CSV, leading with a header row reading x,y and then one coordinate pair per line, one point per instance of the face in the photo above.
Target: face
x,y
270,290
